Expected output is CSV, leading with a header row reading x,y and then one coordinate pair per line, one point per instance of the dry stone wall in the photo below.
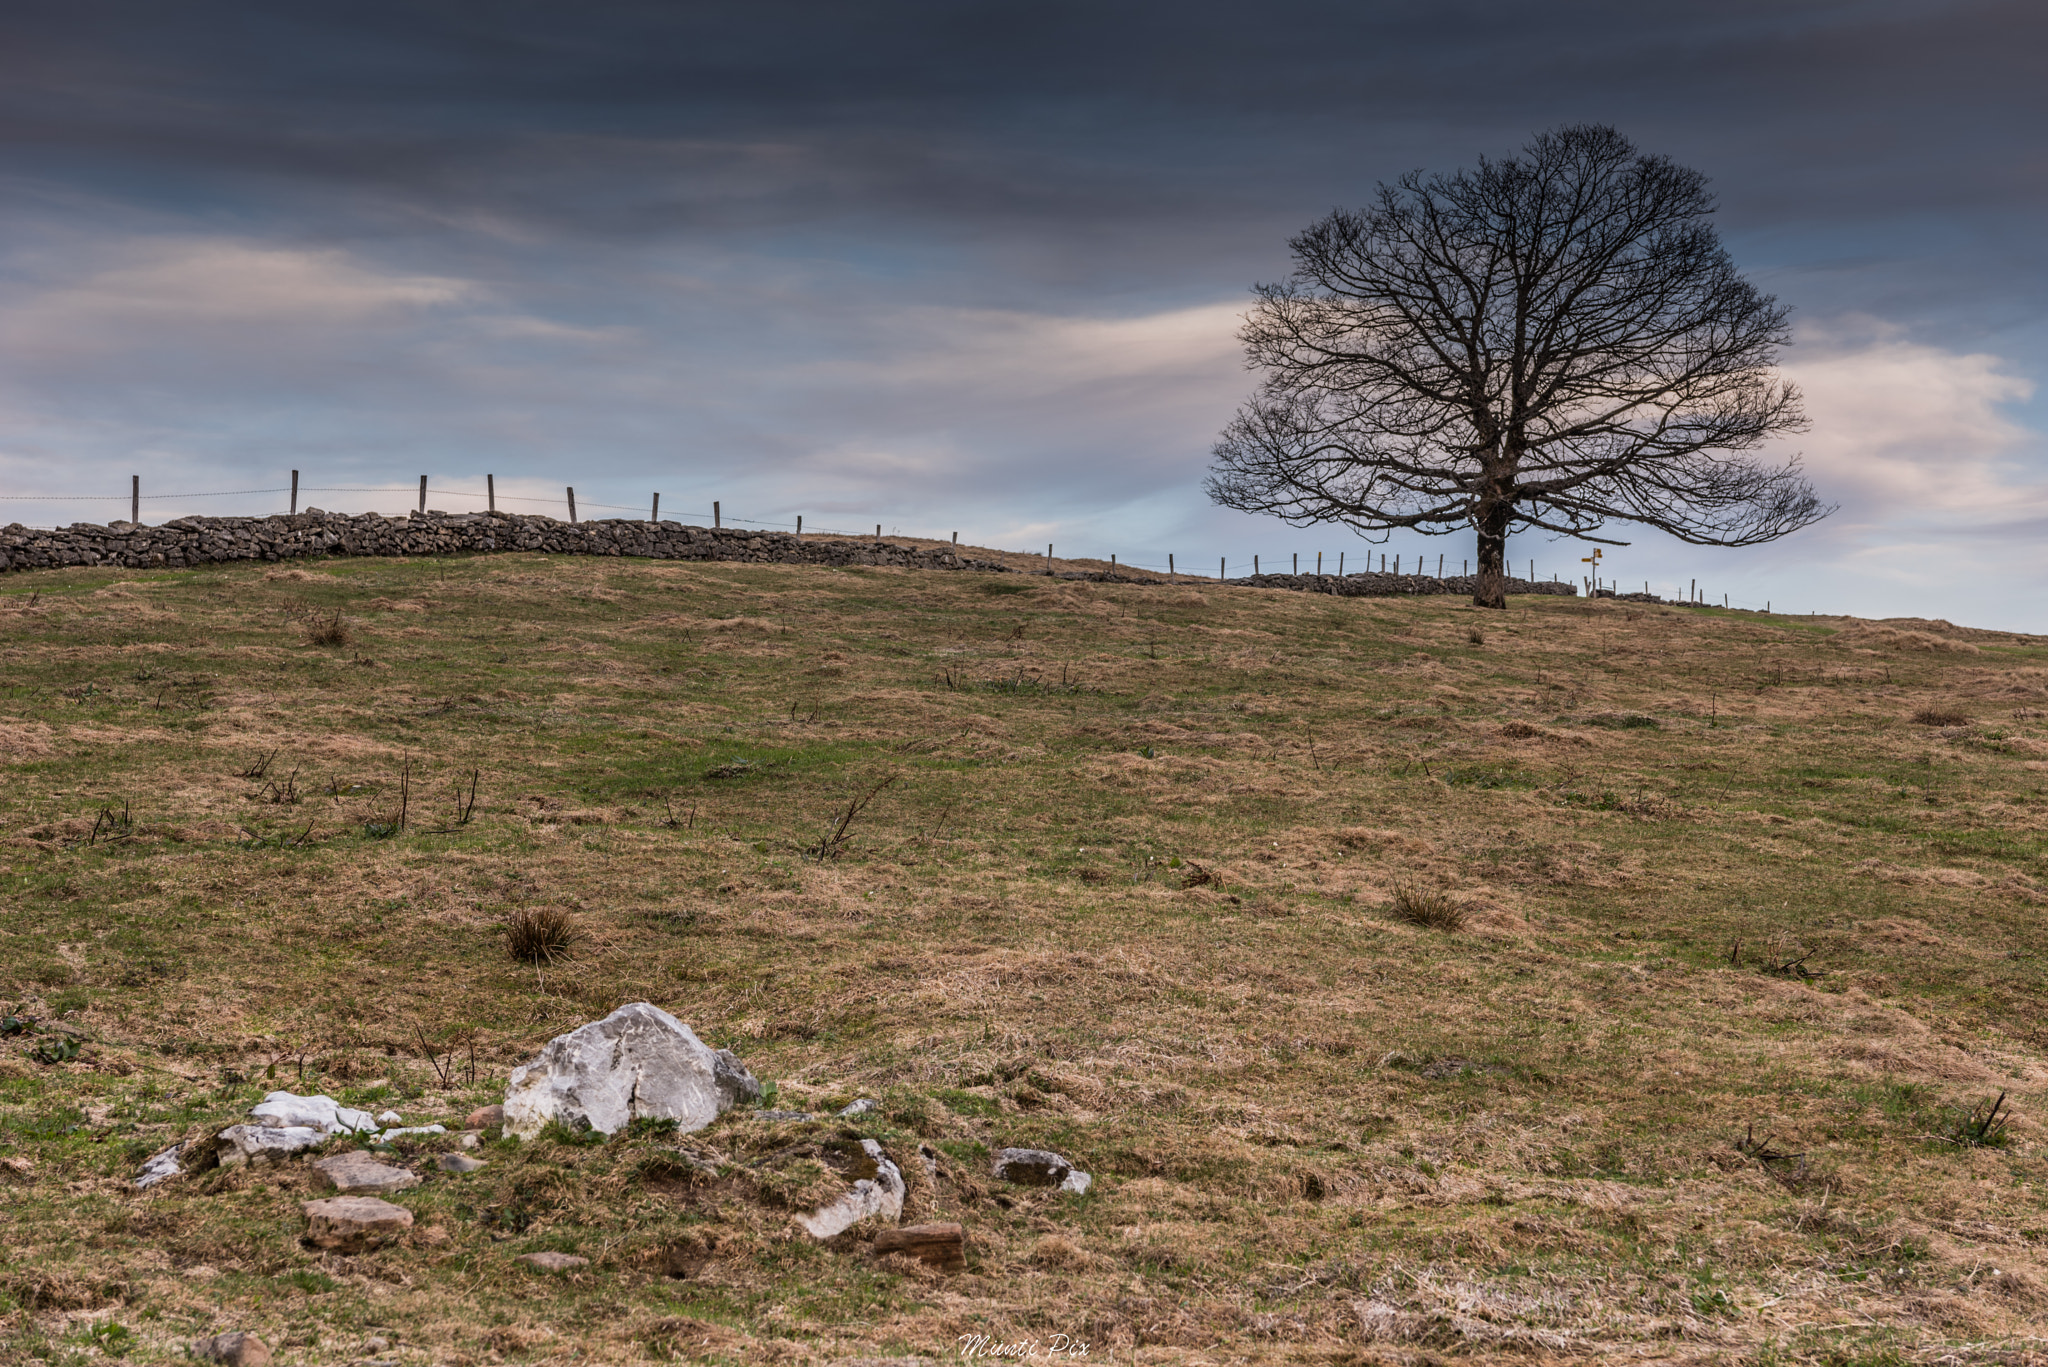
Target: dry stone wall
x,y
314,534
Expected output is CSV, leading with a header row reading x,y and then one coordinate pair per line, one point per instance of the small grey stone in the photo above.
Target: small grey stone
x,y
468,1139
389,1118
781,1115
1040,1168
485,1118
357,1171
160,1167
459,1162
738,1085
553,1262
867,1105
236,1350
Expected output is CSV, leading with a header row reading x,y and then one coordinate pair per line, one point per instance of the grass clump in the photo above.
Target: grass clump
x,y
539,935
327,629
1940,716
1430,908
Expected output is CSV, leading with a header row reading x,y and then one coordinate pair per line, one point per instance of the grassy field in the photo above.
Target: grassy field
x,y
1581,981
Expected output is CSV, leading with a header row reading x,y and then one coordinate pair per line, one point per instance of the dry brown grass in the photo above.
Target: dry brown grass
x,y
1429,908
539,935
1129,896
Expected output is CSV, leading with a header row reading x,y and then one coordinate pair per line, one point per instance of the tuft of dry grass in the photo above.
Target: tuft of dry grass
x,y
327,629
1430,908
1475,636
539,935
1941,716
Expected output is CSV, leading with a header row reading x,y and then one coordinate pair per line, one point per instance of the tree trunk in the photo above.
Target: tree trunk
x,y
1490,586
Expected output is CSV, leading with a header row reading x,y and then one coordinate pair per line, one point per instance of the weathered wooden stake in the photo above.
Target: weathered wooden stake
x,y
799,524
956,538
715,515
491,493
572,502
654,514
1169,567
135,500
423,493
1255,564
295,494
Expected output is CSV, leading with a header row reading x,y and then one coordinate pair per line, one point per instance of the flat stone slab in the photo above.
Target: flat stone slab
x,y
323,1113
241,1144
353,1224
460,1162
553,1262
941,1244
357,1171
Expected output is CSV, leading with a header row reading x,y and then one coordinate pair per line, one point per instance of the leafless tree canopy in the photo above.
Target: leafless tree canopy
x,y
1554,341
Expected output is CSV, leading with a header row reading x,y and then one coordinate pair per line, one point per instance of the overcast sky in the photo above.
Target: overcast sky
x,y
956,266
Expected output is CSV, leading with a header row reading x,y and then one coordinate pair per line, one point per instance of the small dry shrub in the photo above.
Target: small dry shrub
x,y
1475,636
539,935
327,629
1430,908
1940,716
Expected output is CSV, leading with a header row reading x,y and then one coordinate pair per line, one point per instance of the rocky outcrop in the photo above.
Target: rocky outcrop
x,y
881,1194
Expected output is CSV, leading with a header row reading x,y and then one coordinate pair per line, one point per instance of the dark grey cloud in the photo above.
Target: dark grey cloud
x,y
973,263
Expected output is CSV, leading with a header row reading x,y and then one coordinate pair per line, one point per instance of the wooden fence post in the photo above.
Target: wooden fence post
x,y
295,494
1169,567
715,513
655,515
491,492
572,502
423,493
135,500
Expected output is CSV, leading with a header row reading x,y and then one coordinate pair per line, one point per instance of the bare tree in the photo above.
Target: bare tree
x,y
1556,340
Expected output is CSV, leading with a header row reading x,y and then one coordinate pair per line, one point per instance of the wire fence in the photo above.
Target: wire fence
x,y
1589,580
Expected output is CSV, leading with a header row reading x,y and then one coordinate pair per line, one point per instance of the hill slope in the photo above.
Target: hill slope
x,y
1729,950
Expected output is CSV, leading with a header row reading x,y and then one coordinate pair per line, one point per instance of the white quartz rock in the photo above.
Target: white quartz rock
x,y
638,1063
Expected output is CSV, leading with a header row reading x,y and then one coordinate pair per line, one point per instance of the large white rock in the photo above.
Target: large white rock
x,y
638,1063
880,1195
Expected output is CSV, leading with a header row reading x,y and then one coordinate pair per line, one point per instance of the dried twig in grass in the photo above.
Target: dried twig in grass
x,y
1983,1127
1430,908
1196,876
445,1074
112,826
834,844
282,794
539,935
257,767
